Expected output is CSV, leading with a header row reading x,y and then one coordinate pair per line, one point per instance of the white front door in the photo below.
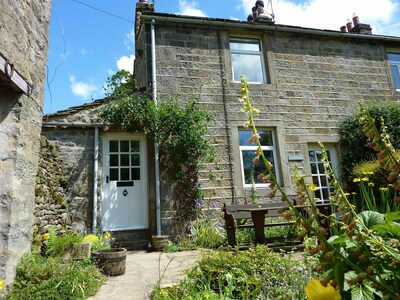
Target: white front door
x,y
124,182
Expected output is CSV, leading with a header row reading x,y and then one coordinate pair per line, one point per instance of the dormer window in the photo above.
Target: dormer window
x,y
247,59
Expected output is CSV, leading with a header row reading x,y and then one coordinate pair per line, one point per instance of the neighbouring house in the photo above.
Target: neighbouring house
x,y
24,28
303,80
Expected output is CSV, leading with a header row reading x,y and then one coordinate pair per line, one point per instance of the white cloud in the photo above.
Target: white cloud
x,y
129,40
126,63
328,14
82,89
190,9
85,51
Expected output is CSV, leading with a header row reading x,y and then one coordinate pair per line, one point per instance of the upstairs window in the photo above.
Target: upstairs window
x,y
394,61
248,152
247,59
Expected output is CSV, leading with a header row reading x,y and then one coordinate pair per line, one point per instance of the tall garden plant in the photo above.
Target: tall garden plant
x,y
361,260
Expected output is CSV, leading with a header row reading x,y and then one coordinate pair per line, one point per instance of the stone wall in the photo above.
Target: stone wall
x,y
314,82
75,144
24,27
51,206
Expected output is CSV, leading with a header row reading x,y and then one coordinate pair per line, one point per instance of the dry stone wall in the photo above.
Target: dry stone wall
x,y
51,207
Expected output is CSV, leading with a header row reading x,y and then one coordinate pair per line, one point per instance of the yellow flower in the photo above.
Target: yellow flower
x,y
46,236
384,189
1,284
313,188
107,235
316,291
367,173
90,238
365,179
356,180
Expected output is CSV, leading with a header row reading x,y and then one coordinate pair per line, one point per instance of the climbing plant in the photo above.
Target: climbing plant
x,y
178,128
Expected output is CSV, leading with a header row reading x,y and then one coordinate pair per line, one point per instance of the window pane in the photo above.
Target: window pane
x,y
396,76
325,192
135,160
324,181
394,57
124,146
312,155
124,159
265,138
124,174
245,45
113,146
313,168
248,65
135,173
135,146
114,160
321,168
114,174
254,170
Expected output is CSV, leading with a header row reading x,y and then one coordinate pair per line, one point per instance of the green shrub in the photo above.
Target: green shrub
x,y
58,245
253,274
207,233
353,142
44,278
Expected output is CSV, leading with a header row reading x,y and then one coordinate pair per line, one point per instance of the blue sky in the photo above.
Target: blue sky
x,y
89,44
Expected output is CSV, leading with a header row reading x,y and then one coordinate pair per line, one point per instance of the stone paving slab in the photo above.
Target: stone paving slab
x,y
143,270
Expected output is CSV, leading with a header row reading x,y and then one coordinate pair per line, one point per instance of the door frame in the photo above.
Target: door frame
x,y
143,173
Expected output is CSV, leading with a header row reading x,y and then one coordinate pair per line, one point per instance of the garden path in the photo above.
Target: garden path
x,y
143,270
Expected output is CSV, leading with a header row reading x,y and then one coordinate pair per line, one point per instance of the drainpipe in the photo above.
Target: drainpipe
x,y
96,171
156,150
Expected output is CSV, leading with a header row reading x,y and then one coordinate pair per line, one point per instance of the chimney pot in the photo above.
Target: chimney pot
x,y
349,25
356,19
343,28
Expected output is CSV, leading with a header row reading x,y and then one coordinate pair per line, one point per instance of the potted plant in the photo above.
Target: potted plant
x,y
110,261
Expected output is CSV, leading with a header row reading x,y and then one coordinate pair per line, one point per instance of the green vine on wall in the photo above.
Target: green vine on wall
x,y
178,128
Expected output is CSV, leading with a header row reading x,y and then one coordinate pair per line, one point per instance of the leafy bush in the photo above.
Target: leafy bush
x,y
44,278
253,274
179,130
353,142
207,233
58,245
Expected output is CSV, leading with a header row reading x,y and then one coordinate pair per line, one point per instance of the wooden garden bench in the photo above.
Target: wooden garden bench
x,y
253,216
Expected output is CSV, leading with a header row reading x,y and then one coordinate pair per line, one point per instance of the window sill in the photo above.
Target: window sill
x,y
254,86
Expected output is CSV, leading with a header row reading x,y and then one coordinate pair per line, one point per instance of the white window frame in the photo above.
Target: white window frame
x,y
253,148
396,64
318,175
248,52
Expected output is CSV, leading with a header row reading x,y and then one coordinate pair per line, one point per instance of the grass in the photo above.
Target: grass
x,y
44,278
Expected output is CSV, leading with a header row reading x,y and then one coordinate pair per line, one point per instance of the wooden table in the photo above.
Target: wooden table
x,y
258,217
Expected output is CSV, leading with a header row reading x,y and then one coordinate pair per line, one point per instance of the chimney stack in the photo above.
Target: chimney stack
x,y
142,7
358,27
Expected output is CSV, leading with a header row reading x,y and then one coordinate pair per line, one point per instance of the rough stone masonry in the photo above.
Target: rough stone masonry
x,y
24,29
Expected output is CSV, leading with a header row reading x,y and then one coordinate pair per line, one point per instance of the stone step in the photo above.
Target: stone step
x,y
133,245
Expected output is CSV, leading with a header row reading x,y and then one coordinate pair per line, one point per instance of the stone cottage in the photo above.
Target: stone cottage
x,y
304,81
24,28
